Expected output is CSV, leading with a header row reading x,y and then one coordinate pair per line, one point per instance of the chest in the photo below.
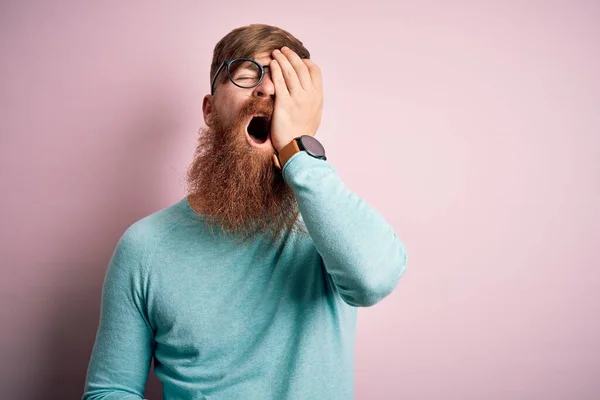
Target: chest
x,y
222,306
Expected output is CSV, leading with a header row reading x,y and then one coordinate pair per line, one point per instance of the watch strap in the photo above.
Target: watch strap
x,y
286,153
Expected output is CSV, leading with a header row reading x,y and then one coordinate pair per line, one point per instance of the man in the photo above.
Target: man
x,y
249,287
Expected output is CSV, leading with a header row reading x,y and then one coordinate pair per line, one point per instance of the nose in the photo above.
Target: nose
x,y
266,88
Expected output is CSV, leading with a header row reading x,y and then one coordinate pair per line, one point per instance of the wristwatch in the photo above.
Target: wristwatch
x,y
303,143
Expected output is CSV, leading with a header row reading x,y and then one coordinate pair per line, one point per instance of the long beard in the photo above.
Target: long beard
x,y
237,187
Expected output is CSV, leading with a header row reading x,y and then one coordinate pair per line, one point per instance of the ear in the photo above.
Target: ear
x,y
207,109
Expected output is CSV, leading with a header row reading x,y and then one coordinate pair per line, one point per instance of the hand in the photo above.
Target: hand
x,y
298,97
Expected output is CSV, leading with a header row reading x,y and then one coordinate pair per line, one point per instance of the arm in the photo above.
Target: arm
x,y
360,250
122,352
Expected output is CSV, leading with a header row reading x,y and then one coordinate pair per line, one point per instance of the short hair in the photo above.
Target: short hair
x,y
247,41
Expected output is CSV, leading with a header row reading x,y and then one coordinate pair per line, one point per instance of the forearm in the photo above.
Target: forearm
x,y
360,250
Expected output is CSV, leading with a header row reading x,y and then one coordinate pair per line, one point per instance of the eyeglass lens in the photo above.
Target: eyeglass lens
x,y
245,73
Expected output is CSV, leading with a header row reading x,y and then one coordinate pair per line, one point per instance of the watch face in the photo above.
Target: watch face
x,y
312,146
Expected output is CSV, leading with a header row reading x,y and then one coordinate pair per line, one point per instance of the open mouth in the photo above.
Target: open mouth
x,y
259,129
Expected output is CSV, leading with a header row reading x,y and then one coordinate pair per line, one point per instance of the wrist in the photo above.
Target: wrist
x,y
280,145
285,152
303,143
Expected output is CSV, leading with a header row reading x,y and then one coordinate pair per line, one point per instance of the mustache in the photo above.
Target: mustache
x,y
257,105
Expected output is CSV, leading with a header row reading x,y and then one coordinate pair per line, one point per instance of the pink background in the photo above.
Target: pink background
x,y
474,129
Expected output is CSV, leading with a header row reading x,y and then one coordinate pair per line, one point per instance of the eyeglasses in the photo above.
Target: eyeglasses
x,y
242,72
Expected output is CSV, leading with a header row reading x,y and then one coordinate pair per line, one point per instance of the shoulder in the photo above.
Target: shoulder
x,y
143,236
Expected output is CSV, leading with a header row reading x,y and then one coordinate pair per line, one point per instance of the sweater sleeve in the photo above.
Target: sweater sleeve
x,y
360,250
122,352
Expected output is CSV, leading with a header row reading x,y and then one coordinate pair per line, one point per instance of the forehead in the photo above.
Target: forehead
x,y
263,58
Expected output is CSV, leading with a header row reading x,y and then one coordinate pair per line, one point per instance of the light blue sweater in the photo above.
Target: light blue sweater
x,y
253,321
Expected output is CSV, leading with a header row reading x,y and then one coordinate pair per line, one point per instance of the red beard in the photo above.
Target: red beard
x,y
237,187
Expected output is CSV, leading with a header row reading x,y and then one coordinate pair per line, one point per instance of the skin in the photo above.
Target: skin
x,y
233,179
294,83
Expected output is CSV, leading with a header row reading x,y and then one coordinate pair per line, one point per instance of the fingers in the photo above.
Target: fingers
x,y
315,74
281,89
291,73
299,66
288,71
295,71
